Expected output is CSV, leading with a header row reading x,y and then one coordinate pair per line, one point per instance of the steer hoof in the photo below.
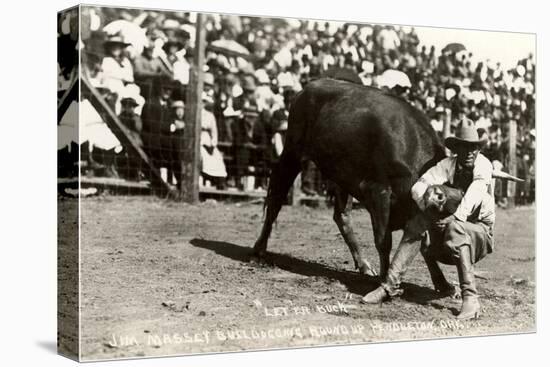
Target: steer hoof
x,y
258,257
449,290
366,269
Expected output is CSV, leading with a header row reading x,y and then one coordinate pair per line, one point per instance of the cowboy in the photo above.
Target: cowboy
x,y
462,238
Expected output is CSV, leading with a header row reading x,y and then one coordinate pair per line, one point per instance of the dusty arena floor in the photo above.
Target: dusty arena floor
x,y
161,278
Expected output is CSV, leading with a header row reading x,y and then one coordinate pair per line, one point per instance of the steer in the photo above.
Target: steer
x,y
373,146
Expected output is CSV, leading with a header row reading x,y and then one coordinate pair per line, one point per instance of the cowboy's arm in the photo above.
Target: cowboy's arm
x,y
437,175
476,191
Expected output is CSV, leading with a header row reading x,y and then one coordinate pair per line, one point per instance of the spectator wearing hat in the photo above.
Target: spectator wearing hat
x,y
132,121
208,83
250,144
181,65
248,96
173,141
148,66
209,89
117,68
178,108
223,106
263,94
463,238
212,164
438,122
157,117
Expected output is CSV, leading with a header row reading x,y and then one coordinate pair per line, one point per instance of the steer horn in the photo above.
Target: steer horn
x,y
506,176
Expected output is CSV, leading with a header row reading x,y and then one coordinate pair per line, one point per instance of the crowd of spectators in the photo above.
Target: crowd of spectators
x,y
254,67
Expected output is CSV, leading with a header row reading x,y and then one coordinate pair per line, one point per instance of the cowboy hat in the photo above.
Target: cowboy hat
x,y
172,43
129,101
178,104
116,40
466,134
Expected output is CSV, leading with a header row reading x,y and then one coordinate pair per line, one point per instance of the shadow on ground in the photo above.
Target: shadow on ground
x,y
354,282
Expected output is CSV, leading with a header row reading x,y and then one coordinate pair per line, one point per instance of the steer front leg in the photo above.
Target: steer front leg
x,y
342,217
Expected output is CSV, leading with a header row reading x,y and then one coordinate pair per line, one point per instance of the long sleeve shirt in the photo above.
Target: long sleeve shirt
x,y
477,204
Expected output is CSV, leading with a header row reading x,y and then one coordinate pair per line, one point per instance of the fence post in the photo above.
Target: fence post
x,y
512,161
447,124
190,158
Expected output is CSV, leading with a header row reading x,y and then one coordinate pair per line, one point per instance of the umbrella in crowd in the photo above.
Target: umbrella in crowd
x,y
454,47
229,47
130,32
390,78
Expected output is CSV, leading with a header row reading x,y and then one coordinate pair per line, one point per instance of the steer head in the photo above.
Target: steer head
x,y
442,200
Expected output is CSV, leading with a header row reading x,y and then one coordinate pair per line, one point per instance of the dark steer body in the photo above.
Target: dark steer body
x,y
372,145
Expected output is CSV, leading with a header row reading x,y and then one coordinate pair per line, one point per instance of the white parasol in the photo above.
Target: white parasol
x,y
130,32
390,78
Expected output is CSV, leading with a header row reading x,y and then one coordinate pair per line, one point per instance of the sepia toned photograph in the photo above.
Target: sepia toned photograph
x,y
235,183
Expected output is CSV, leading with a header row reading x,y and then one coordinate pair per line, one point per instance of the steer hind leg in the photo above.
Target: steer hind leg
x,y
282,177
342,216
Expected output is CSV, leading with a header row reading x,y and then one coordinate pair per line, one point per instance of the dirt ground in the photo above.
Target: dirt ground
x,y
162,278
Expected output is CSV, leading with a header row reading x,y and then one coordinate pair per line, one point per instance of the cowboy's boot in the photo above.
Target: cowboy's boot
x,y
470,303
439,281
441,285
391,286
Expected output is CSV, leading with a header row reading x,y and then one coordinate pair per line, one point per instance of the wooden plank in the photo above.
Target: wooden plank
x,y
124,136
71,94
190,158
232,193
512,161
